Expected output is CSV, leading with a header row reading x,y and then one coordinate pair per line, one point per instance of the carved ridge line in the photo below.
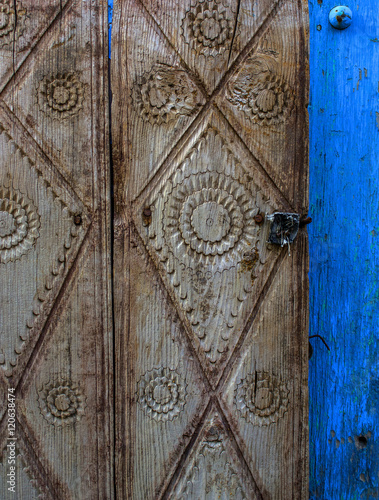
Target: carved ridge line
x,y
245,330
239,59
215,393
213,403
180,144
169,484
247,51
68,196
4,131
192,151
46,295
237,448
286,203
60,300
238,62
183,320
66,247
61,12
42,478
234,31
195,79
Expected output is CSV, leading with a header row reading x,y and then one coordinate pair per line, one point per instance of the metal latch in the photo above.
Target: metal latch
x,y
284,228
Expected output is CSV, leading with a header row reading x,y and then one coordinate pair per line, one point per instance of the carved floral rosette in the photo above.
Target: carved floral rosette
x,y
209,214
261,92
12,22
61,402
162,394
208,27
261,398
202,228
19,223
61,96
164,94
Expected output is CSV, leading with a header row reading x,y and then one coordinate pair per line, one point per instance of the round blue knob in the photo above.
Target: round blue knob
x,y
340,17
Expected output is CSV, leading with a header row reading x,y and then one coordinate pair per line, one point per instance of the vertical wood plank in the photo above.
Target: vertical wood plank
x,y
209,132
55,322
344,396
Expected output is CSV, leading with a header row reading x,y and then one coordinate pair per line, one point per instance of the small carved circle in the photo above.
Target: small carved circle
x,y
61,403
210,213
19,223
216,218
208,27
164,93
61,95
261,398
11,30
162,394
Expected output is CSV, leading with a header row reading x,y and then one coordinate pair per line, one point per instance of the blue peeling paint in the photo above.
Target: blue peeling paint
x,y
344,251
110,16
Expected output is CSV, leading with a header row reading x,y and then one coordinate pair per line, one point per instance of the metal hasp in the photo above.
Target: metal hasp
x,y
284,228
340,17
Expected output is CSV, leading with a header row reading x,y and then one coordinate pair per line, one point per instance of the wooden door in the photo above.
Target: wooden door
x,y
209,128
56,333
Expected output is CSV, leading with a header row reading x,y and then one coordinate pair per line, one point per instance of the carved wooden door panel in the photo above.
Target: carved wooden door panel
x,y
209,137
56,333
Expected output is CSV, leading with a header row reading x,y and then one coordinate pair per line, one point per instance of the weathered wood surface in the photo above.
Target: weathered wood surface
x,y
344,383
209,128
55,344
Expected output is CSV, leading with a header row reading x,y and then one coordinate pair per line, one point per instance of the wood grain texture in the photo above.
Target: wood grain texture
x,y
209,129
55,322
344,255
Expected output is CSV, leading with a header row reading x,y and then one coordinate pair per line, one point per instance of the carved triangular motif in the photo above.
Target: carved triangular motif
x,y
213,469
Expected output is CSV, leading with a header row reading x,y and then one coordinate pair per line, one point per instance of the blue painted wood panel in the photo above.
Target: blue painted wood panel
x,y
344,264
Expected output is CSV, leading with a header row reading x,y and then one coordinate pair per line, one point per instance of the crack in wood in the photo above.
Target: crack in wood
x,y
234,31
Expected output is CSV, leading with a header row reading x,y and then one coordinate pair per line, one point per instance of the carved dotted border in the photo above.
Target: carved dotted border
x,y
43,295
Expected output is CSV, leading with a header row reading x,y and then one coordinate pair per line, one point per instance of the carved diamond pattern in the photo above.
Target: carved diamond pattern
x,y
33,255
211,254
210,248
43,223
